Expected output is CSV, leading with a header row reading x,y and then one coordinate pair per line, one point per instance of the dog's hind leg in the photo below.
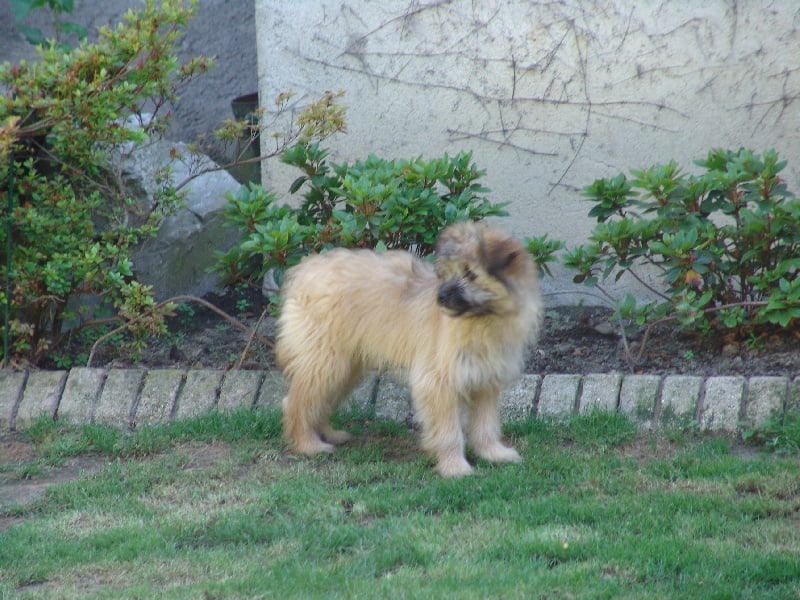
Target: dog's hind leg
x,y
338,436
483,429
312,398
299,423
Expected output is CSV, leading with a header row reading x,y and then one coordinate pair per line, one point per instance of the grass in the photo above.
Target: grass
x,y
213,507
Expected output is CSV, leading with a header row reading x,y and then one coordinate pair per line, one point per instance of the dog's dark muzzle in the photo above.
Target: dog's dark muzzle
x,y
451,296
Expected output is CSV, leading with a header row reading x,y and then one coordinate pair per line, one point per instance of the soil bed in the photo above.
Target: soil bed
x,y
577,340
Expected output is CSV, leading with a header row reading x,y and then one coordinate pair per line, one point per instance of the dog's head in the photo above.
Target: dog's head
x,y
482,271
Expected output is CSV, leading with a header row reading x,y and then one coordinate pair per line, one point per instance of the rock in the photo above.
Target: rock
x,y
730,350
176,261
604,328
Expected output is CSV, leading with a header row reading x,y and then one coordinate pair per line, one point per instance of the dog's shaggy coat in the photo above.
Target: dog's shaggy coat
x,y
457,328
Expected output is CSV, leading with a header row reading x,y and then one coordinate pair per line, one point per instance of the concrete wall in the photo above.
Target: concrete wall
x,y
548,95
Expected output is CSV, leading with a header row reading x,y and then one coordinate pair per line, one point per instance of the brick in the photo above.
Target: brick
x,y
722,404
40,397
81,393
273,390
558,395
158,395
793,399
199,394
118,397
600,392
680,395
517,401
766,397
11,386
239,389
637,398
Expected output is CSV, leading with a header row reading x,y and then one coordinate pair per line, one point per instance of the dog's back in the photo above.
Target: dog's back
x,y
351,301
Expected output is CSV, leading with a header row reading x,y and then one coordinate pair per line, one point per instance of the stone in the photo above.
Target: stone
x,y
766,397
793,399
680,395
638,396
600,391
239,389
11,385
393,401
273,390
722,403
81,393
516,402
40,397
199,394
158,395
558,395
118,398
177,259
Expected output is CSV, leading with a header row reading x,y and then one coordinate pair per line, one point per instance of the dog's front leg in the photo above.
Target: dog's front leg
x,y
437,409
483,428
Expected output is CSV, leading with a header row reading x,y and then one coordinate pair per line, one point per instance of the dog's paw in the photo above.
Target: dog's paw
x,y
311,447
454,467
498,453
335,436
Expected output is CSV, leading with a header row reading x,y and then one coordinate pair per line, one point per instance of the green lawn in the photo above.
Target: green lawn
x,y
214,508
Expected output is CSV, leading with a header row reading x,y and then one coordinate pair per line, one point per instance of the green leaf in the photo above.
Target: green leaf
x,y
75,28
297,184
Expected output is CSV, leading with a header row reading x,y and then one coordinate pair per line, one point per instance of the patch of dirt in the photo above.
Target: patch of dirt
x,y
18,486
200,455
573,340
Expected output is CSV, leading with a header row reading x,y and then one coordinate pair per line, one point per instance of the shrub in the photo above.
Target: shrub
x,y
374,203
723,244
68,223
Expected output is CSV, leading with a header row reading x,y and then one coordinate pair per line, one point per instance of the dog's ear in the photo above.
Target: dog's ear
x,y
455,239
501,255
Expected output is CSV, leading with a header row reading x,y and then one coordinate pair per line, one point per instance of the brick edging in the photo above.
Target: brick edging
x,y
133,397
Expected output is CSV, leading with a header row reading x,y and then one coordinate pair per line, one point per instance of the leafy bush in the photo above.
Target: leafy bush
x,y
723,244
68,223
374,203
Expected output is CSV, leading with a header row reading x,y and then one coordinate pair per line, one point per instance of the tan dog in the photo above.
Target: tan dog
x,y
458,329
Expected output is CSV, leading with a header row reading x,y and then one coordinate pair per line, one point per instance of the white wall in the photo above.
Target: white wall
x,y
548,96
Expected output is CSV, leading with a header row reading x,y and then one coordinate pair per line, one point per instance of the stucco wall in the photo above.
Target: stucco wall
x,y
548,96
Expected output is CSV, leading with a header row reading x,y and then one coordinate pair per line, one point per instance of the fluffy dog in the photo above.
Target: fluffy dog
x,y
457,328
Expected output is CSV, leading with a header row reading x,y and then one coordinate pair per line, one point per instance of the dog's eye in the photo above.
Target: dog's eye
x,y
469,274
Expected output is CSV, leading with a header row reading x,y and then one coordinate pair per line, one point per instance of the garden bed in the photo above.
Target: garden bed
x,y
574,339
